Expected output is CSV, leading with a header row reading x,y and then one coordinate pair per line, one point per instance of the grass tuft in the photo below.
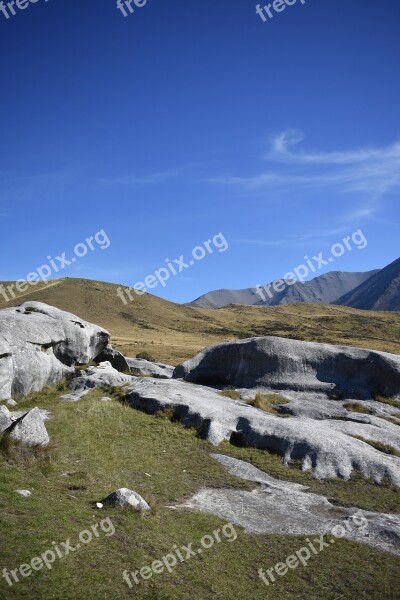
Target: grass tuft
x,y
357,407
230,393
379,446
269,403
146,356
386,400
14,452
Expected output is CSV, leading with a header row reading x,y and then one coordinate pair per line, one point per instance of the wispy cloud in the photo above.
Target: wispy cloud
x,y
372,171
295,240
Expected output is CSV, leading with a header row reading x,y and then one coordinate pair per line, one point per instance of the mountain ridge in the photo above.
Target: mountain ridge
x,y
323,289
380,292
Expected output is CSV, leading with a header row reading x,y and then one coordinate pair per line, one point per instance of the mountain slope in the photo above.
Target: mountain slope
x,y
323,289
172,333
380,292
220,298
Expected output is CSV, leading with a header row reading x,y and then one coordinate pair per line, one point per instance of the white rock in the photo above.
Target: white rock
x,y
29,429
127,498
284,508
104,375
140,366
40,345
25,493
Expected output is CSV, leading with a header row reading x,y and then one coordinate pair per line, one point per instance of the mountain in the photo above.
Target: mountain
x,y
380,292
172,333
220,298
325,289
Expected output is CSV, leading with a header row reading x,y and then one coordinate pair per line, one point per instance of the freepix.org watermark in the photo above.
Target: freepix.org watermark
x,y
125,6
180,555
174,267
58,552
8,8
313,548
266,13
317,262
55,265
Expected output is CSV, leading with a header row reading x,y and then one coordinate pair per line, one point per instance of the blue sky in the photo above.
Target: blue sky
x,y
187,119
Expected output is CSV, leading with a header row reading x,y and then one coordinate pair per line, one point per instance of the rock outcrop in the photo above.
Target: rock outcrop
x,y
145,368
285,508
326,448
285,364
41,345
104,375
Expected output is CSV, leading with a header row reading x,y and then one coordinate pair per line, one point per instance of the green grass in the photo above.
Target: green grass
x,y
13,452
98,447
387,400
269,403
379,446
359,491
357,407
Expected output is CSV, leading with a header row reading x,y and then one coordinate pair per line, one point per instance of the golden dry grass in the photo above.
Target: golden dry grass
x,y
173,332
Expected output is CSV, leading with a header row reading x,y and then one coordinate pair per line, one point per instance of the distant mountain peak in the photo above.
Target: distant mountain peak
x,y
329,288
380,292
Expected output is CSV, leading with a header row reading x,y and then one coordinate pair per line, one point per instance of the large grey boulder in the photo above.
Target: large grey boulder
x,y
29,429
145,368
40,345
125,498
285,364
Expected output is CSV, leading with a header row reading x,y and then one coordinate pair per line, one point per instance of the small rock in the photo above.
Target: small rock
x,y
99,505
11,402
126,498
24,493
105,399
30,429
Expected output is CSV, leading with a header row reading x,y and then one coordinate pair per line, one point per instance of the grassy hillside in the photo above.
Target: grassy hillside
x,y
173,332
98,447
